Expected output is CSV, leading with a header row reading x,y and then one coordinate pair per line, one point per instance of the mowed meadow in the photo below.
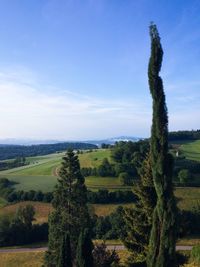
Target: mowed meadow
x,y
41,173
191,150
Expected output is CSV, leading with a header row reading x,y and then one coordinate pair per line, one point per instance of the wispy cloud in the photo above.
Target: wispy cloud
x,y
28,111
31,109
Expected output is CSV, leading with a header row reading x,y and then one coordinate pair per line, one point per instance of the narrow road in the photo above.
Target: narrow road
x,y
111,247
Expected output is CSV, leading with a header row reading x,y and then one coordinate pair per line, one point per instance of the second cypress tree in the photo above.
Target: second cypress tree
x,y
70,213
138,219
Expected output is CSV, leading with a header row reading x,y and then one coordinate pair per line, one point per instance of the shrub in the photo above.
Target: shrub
x,y
195,254
184,176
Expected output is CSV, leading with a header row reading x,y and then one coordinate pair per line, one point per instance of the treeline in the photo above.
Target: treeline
x,y
102,196
14,151
18,162
126,158
20,230
113,225
184,135
186,171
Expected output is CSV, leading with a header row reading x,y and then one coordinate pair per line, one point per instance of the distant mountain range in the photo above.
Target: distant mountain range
x,y
28,142
112,140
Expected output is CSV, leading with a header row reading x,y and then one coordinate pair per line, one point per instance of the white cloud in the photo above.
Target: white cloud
x,y
30,110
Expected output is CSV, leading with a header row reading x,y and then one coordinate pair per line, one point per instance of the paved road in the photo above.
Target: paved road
x,y
117,247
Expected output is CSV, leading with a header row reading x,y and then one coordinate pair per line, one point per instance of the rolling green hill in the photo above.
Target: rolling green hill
x,y
191,150
41,173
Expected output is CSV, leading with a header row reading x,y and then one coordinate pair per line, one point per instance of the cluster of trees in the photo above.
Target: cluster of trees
x,y
184,135
124,224
20,230
126,158
7,191
18,162
31,195
14,151
5,187
189,221
109,227
104,169
185,171
102,196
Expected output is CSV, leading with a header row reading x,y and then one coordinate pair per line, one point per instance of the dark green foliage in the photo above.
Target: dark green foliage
x,y
191,165
65,259
103,257
84,256
184,135
138,219
70,213
127,156
18,162
111,226
20,230
125,178
14,151
5,187
188,222
124,152
105,146
100,196
26,215
163,233
195,254
184,176
106,169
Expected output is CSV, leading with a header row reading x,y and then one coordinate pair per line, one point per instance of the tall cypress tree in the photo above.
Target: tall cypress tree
x,y
163,233
84,256
65,258
70,213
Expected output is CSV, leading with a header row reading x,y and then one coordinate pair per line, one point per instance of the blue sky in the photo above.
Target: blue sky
x,y
77,69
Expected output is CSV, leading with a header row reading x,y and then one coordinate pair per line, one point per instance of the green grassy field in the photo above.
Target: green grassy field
x,y
95,158
41,173
44,165
44,183
191,150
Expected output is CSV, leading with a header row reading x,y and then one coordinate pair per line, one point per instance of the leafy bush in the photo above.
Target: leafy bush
x,y
195,254
103,257
184,176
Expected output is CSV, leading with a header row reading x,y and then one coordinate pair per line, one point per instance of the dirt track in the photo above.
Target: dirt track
x,y
117,247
